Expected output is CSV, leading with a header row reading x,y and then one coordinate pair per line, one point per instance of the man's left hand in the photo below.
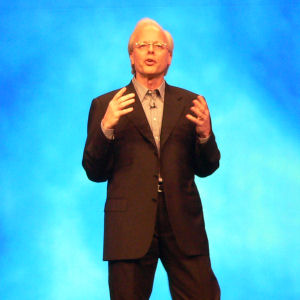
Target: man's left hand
x,y
201,117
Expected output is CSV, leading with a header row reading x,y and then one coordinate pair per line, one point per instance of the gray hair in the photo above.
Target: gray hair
x,y
142,23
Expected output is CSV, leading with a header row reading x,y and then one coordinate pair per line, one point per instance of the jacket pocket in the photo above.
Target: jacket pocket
x,y
115,204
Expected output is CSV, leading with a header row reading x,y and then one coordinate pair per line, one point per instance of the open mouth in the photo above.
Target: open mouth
x,y
150,62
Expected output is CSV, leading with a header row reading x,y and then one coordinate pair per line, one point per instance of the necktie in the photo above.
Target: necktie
x,y
154,124
152,98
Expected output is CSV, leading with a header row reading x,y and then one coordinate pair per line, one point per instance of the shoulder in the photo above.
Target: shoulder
x,y
104,98
180,92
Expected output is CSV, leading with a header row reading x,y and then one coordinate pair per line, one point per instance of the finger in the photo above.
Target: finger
x,y
202,100
202,109
126,103
194,119
196,112
120,93
199,104
126,97
125,111
199,112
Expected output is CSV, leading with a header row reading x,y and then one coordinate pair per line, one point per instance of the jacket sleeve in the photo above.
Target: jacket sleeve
x,y
207,157
98,155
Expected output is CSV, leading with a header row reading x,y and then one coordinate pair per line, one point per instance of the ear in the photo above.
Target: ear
x,y
170,58
131,58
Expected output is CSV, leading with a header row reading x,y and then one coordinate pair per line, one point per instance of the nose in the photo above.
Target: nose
x,y
150,48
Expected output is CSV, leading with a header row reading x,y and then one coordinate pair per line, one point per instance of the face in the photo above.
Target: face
x,y
150,62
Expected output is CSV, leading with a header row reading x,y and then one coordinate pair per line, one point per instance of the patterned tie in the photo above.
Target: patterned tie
x,y
152,96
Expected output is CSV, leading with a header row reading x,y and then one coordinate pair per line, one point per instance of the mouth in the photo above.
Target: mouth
x,y
150,62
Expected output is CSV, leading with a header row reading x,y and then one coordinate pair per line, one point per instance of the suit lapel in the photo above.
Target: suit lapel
x,y
173,107
138,117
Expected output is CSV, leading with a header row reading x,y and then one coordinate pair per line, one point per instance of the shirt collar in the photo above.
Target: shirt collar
x,y
142,90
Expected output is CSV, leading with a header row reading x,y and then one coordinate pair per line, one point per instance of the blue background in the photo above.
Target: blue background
x,y
55,56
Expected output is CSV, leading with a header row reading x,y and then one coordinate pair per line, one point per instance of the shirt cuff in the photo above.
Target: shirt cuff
x,y
202,140
109,133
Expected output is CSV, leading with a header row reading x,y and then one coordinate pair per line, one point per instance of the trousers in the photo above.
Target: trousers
x,y
190,277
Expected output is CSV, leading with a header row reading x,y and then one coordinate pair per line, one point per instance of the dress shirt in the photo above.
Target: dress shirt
x,y
154,115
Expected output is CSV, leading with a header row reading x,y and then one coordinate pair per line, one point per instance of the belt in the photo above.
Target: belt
x,y
160,186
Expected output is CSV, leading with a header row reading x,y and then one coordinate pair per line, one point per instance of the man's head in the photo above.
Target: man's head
x,y
150,49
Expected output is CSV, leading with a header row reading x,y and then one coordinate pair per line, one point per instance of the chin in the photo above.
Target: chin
x,y
153,72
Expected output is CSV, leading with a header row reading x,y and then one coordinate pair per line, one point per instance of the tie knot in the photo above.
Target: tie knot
x,y
153,93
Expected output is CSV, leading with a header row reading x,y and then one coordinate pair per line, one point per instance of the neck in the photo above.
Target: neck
x,y
151,83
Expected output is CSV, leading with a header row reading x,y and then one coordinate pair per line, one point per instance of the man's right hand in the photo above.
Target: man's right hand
x,y
117,108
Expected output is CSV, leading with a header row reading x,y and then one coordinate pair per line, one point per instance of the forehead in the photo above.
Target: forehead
x,y
150,33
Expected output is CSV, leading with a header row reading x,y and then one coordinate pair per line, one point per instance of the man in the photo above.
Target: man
x,y
148,140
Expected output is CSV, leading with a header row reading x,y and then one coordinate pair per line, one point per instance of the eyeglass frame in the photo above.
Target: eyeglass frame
x,y
161,45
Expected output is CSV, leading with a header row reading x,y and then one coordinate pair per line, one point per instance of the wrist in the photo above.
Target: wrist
x,y
203,134
109,133
106,125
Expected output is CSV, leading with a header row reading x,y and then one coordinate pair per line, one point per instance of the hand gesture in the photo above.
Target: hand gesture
x,y
201,118
117,108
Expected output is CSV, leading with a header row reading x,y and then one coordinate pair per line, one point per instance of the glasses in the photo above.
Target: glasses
x,y
158,46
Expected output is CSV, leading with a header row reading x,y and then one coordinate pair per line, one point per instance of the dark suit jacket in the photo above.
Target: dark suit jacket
x,y
131,163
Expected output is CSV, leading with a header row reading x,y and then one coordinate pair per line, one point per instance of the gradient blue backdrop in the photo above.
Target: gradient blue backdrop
x,y
55,56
